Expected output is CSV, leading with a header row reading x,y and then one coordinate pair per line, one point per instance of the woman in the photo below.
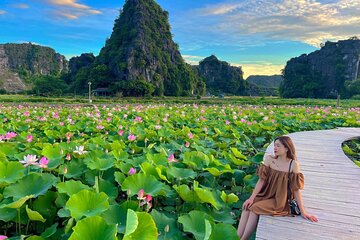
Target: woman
x,y
270,194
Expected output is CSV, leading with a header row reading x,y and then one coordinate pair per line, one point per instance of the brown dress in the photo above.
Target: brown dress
x,y
272,198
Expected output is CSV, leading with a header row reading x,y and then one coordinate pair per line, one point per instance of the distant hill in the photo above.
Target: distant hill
x,y
332,70
273,81
19,62
221,77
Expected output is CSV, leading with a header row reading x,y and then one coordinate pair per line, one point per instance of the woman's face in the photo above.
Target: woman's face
x,y
279,149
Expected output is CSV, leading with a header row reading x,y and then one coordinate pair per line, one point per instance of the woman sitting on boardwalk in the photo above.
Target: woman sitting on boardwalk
x,y
270,195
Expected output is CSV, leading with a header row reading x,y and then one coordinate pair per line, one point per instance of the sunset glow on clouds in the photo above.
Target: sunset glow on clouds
x,y
259,35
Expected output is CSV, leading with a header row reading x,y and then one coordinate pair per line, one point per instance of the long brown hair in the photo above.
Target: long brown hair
x,y
288,143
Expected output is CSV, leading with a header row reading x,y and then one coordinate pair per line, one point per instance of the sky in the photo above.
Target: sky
x,y
259,35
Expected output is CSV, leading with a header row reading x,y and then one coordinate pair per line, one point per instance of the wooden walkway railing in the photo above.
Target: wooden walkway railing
x,y
332,190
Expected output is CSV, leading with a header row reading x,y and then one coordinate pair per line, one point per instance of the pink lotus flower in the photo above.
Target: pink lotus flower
x,y
61,123
243,120
138,119
227,122
29,160
2,237
10,135
68,157
27,113
2,138
100,127
187,144
121,132
157,127
190,135
131,137
171,158
144,198
132,171
43,162
29,138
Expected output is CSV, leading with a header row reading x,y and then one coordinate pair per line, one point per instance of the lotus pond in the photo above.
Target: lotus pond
x,y
146,171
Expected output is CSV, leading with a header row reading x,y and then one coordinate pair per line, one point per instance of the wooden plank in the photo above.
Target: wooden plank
x,y
331,191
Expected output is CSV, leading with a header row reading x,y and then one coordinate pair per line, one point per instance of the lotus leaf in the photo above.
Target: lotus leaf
x,y
93,228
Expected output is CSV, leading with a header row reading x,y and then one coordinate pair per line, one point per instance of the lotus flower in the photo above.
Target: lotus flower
x,y
2,237
144,198
80,150
29,160
171,158
43,162
29,138
190,135
131,137
187,144
132,171
10,135
121,132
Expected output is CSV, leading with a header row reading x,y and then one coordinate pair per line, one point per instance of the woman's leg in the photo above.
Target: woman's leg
x,y
242,223
250,226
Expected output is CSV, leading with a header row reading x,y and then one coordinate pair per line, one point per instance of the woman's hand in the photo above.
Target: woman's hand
x,y
247,204
309,217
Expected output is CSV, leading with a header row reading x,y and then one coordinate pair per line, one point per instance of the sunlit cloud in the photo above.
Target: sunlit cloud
x,y
2,12
69,3
71,9
307,21
20,5
260,68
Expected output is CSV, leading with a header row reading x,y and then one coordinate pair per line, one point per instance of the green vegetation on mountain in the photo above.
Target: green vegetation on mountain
x,y
141,50
325,73
220,77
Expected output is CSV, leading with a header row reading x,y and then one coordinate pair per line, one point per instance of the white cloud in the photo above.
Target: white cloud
x,y
71,9
193,60
307,21
2,12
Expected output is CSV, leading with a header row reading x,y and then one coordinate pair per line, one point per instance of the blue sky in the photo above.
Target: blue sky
x,y
259,35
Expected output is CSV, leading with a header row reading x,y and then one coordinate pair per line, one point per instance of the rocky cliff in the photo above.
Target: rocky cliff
x,y
21,61
221,77
273,81
322,73
141,48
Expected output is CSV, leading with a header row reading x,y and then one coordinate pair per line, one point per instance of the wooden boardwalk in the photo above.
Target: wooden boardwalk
x,y
332,190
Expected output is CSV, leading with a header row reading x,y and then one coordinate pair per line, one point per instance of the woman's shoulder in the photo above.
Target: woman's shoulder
x,y
295,168
268,159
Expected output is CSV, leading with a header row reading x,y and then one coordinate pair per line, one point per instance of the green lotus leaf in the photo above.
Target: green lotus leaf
x,y
34,215
108,188
357,163
74,169
10,172
223,231
196,160
141,226
186,194
258,158
157,159
35,238
182,173
87,203
93,228
167,226
238,154
53,153
8,149
119,177
139,181
7,214
231,198
64,213
32,184
116,214
98,160
251,180
208,229
206,196
50,231
194,222
71,187
217,172
18,203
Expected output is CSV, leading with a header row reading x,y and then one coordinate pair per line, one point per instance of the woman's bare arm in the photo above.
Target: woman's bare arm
x,y
298,198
